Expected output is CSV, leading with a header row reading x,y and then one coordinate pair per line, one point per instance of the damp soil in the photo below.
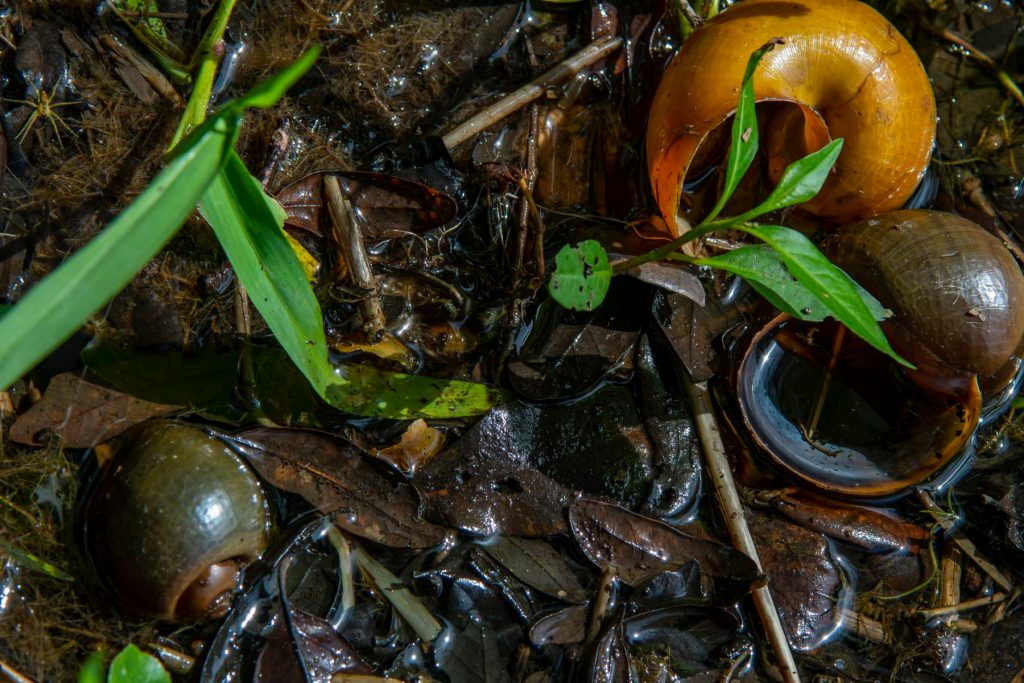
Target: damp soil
x,y
568,534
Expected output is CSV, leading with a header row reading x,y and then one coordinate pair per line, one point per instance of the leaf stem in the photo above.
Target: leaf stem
x,y
205,61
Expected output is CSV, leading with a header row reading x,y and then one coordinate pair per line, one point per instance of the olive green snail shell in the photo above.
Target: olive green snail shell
x,y
175,518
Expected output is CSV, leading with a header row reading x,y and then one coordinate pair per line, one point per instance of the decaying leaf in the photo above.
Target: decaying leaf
x,y
82,413
537,564
388,205
323,651
638,547
333,475
418,444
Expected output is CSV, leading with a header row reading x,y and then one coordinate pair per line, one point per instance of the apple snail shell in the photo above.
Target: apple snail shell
x,y
174,519
847,68
956,293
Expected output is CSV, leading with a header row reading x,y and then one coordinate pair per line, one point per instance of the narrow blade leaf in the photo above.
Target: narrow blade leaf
x,y
52,310
267,93
801,180
762,268
248,226
831,286
744,134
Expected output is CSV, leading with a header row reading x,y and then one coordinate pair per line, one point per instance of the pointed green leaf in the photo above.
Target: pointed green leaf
x,y
744,134
801,180
763,269
267,93
582,276
249,229
831,286
248,225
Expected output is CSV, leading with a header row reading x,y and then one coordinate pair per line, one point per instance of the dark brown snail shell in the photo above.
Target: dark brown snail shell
x,y
956,293
174,519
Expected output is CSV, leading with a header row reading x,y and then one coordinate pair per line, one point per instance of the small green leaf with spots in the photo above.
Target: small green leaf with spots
x,y
581,276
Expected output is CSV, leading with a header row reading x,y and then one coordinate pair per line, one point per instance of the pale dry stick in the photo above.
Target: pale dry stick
x,y
963,606
350,242
732,510
965,544
13,674
950,571
348,590
866,627
686,8
533,90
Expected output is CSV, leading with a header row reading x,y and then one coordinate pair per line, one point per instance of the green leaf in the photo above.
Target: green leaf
x,y
132,665
92,668
762,267
801,180
365,390
831,286
249,230
53,309
744,134
582,276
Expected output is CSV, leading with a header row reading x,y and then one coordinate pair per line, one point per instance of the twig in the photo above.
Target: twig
x,y
415,613
13,674
999,72
947,523
348,591
963,606
837,345
732,510
531,91
696,20
350,242
951,571
866,627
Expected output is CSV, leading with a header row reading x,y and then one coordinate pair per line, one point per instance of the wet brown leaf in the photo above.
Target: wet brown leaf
x,y
567,354
471,655
388,205
804,579
323,651
610,662
564,627
690,330
537,564
82,413
334,476
638,547
521,503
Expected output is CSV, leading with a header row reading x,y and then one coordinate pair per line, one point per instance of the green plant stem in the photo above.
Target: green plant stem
x,y
204,61
669,250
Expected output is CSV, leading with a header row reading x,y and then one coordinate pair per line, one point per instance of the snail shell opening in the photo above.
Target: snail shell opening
x,y
876,433
848,70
